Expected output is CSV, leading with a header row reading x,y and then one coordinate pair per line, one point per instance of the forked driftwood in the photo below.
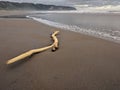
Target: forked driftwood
x,y
54,46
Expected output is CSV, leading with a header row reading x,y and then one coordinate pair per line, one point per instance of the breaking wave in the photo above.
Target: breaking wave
x,y
104,8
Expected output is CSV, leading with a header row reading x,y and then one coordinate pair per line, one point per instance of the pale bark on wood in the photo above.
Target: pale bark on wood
x,y
54,46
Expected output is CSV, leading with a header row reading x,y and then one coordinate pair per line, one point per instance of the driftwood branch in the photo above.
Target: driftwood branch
x,y
54,46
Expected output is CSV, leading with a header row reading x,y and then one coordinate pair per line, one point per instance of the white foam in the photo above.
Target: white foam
x,y
76,11
105,8
103,35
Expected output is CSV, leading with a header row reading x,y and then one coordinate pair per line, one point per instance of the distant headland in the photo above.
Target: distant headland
x,y
6,5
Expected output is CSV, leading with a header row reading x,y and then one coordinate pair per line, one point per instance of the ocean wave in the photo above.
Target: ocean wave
x,y
85,8
104,8
80,10
91,32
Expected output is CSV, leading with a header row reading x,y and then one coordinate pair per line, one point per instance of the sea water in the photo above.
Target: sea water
x,y
98,18
101,25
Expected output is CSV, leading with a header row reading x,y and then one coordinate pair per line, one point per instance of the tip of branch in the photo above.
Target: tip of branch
x,y
56,32
8,62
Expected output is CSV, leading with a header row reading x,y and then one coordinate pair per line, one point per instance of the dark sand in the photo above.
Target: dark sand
x,y
81,62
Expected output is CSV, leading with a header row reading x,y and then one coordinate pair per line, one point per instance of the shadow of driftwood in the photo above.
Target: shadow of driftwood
x,y
22,61
19,63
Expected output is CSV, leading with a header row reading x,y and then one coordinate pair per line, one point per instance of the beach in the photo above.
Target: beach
x,y
81,63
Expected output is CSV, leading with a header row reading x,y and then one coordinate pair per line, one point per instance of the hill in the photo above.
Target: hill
x,y
5,5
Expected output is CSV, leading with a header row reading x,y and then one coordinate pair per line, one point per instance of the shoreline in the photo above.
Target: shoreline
x,y
105,26
97,34
81,62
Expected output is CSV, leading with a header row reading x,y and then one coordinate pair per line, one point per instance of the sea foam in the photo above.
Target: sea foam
x,y
104,8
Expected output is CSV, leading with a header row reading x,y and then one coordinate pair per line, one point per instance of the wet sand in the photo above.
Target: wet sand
x,y
81,62
14,12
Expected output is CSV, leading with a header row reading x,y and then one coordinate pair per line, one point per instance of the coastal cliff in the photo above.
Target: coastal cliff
x,y
5,5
